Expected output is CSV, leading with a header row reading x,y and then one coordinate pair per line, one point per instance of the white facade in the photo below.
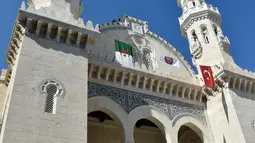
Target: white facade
x,y
63,84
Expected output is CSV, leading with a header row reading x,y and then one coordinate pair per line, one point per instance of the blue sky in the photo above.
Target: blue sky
x,y
162,16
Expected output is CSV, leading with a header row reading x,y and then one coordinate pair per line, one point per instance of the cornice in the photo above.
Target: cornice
x,y
187,19
234,70
229,75
26,20
101,71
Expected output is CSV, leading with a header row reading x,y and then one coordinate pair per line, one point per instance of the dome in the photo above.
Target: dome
x,y
129,43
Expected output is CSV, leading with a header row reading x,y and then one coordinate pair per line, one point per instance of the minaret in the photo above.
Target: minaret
x,y
201,24
63,10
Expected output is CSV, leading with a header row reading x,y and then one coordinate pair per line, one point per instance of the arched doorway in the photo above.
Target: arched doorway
x,y
145,131
187,135
104,127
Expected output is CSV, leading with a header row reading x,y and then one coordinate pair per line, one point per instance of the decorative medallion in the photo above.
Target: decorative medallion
x,y
52,86
139,40
137,28
253,125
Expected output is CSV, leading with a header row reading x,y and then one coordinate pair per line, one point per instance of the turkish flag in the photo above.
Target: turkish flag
x,y
207,76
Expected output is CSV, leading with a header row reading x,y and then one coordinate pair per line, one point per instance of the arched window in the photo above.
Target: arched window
x,y
205,34
194,36
194,4
147,58
53,89
215,30
50,104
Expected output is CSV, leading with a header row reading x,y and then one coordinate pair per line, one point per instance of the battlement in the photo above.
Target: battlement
x,y
3,74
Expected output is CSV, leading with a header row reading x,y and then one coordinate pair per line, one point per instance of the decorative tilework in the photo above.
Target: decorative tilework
x,y
130,100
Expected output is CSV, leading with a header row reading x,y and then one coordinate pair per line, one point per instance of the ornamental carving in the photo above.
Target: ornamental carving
x,y
130,100
54,86
147,60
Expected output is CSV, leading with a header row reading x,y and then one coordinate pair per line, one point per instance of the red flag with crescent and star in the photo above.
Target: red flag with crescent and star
x,y
207,76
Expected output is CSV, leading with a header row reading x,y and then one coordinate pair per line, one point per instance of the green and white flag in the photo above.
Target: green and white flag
x,y
123,54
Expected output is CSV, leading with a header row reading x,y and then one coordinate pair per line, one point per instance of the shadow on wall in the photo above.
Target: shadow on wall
x,y
225,106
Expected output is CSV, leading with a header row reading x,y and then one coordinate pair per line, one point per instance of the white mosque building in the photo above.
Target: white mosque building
x,y
119,82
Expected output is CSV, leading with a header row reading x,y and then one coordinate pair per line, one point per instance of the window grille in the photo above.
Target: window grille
x,y
51,91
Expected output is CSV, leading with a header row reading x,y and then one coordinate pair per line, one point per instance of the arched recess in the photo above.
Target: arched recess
x,y
185,127
238,82
105,119
150,115
248,86
205,33
253,88
231,82
243,84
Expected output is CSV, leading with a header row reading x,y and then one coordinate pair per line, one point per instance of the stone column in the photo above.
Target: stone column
x,y
130,78
48,31
151,84
69,34
144,82
212,34
38,28
59,34
107,74
115,76
129,132
191,39
189,93
137,81
171,89
158,85
78,40
200,36
28,24
99,72
123,75
91,71
183,92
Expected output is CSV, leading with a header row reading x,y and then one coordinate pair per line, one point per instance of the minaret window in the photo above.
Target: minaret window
x,y
194,36
215,29
205,34
194,4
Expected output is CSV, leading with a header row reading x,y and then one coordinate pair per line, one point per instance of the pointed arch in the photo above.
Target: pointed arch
x,y
193,124
205,33
108,106
153,115
104,118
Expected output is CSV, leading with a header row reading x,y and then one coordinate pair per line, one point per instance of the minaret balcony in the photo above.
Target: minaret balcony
x,y
196,50
196,11
223,42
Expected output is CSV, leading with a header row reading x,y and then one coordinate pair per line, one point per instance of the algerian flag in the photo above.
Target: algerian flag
x,y
123,54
